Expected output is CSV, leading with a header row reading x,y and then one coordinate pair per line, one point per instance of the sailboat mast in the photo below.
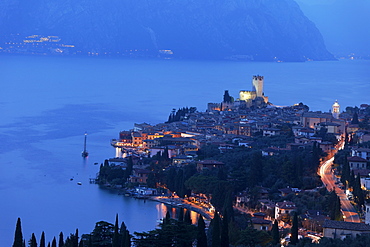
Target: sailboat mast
x,y
85,153
85,143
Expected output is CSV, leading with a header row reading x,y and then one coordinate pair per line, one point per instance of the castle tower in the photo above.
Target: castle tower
x,y
257,84
335,110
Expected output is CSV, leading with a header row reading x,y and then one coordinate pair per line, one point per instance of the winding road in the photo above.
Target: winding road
x,y
327,177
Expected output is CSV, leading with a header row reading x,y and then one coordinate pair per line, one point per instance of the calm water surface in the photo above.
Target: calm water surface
x,y
47,103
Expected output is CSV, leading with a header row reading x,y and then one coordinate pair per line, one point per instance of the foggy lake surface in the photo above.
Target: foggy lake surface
x,y
47,104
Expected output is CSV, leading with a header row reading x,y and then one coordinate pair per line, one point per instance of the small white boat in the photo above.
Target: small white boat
x,y
79,183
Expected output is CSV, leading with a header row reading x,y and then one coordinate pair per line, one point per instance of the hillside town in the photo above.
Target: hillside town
x,y
263,159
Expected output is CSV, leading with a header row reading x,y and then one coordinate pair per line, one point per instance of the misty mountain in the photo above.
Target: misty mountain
x,y
261,30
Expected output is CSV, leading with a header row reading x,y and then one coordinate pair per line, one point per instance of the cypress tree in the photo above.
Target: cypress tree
x,y
346,172
42,240
216,231
61,240
24,243
201,237
294,230
49,244
228,206
129,168
54,243
81,244
181,215
337,211
75,242
275,233
122,232
115,240
18,236
352,179
225,230
357,191
187,218
127,239
32,242
167,219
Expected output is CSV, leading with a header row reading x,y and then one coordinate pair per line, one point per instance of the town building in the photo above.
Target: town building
x,y
139,176
260,223
361,152
311,119
343,229
209,164
284,208
356,162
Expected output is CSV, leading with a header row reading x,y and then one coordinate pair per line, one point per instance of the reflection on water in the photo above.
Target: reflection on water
x,y
175,212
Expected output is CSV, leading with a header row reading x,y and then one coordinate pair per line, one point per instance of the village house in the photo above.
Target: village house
x,y
145,191
326,147
352,128
181,160
365,137
260,223
287,191
172,150
311,119
331,128
209,164
365,180
137,139
343,229
313,220
356,162
361,152
118,162
302,131
271,132
139,176
284,208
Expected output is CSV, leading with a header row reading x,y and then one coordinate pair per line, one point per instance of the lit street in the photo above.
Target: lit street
x,y
327,177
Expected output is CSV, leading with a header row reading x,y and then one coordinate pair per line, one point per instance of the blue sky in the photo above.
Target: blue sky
x,y
344,24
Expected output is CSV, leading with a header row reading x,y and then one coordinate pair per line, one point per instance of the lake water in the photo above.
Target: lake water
x,y
47,103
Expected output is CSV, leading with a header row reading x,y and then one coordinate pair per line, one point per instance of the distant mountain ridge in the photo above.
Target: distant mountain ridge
x,y
260,30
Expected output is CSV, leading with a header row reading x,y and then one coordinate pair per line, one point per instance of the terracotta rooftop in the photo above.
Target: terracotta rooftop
x,y
356,159
346,225
260,221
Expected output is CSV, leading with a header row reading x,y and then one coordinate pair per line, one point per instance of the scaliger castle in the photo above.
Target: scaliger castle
x,y
247,99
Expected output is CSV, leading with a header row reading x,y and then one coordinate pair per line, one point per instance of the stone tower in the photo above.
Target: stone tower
x,y
335,110
257,83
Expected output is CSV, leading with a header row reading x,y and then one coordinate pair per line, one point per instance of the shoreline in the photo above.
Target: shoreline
x,y
178,202
173,202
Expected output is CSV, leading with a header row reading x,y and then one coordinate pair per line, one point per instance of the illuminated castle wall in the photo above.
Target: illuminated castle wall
x,y
257,91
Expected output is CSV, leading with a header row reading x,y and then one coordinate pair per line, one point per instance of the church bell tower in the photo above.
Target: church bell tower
x,y
335,110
